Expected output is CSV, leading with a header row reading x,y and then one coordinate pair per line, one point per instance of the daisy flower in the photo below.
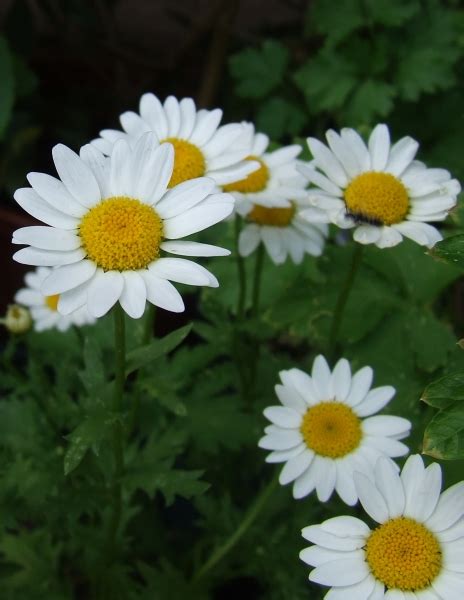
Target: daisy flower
x,y
275,183
322,434
44,309
282,230
109,221
414,553
202,148
379,189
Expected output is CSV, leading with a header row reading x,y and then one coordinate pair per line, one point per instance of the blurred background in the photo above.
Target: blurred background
x,y
68,68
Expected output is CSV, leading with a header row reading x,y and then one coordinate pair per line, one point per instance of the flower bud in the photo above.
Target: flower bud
x,y
17,319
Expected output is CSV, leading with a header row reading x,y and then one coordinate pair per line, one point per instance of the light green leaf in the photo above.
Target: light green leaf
x,y
371,99
445,391
258,71
432,340
278,117
146,354
444,436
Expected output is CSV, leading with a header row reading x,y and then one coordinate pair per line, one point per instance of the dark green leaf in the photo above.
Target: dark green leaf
x,y
278,117
445,391
89,433
432,340
444,436
259,71
147,354
6,85
450,250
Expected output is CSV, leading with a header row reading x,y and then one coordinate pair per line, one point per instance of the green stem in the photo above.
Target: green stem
x,y
342,299
118,434
149,324
257,280
241,272
250,517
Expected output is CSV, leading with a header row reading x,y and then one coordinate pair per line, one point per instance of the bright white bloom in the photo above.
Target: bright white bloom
x,y
322,434
17,319
282,230
202,148
44,309
379,189
415,553
276,182
109,220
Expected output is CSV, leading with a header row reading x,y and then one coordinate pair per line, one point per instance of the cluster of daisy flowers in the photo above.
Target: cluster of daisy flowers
x,y
115,222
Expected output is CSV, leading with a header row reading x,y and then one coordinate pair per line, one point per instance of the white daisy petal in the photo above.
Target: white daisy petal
x,y
278,456
215,209
316,535
343,152
325,485
290,398
249,240
327,162
379,147
68,277
282,416
187,118
47,258
306,482
162,293
172,111
371,499
449,509
284,440
344,485
182,270
53,191
358,148
47,238
206,126
367,234
389,485
374,400
322,378
401,155
340,573
187,248
33,204
316,555
295,466
448,585
358,591
184,196
360,385
134,294
76,176
346,527
152,112
341,380
153,182
133,124
104,291
386,425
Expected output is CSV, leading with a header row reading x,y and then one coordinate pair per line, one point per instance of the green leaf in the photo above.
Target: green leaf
x,y
336,24
278,117
432,340
146,354
450,250
391,13
89,433
93,375
371,99
445,391
6,85
444,436
258,71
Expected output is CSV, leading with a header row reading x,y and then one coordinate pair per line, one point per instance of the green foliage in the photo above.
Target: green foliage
x,y
7,85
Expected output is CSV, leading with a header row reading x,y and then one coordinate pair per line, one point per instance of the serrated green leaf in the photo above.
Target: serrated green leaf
x,y
278,117
370,100
451,250
335,24
258,71
431,339
89,433
445,391
145,354
6,85
444,435
391,13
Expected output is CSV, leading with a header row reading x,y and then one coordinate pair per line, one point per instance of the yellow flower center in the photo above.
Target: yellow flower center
x,y
52,301
275,217
189,161
403,554
331,429
122,234
377,198
254,182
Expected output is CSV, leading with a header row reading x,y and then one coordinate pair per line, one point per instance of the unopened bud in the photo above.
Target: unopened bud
x,y
17,319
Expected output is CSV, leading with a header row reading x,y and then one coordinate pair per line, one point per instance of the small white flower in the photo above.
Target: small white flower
x,y
282,230
416,552
379,189
44,309
276,182
110,220
202,148
322,434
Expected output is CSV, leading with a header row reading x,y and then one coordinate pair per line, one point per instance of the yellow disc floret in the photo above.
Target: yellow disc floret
x,y
378,198
189,161
121,234
331,429
275,217
52,301
254,182
403,554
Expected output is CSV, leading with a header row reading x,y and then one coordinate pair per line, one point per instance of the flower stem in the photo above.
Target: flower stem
x,y
118,434
250,517
342,299
241,272
257,279
149,324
